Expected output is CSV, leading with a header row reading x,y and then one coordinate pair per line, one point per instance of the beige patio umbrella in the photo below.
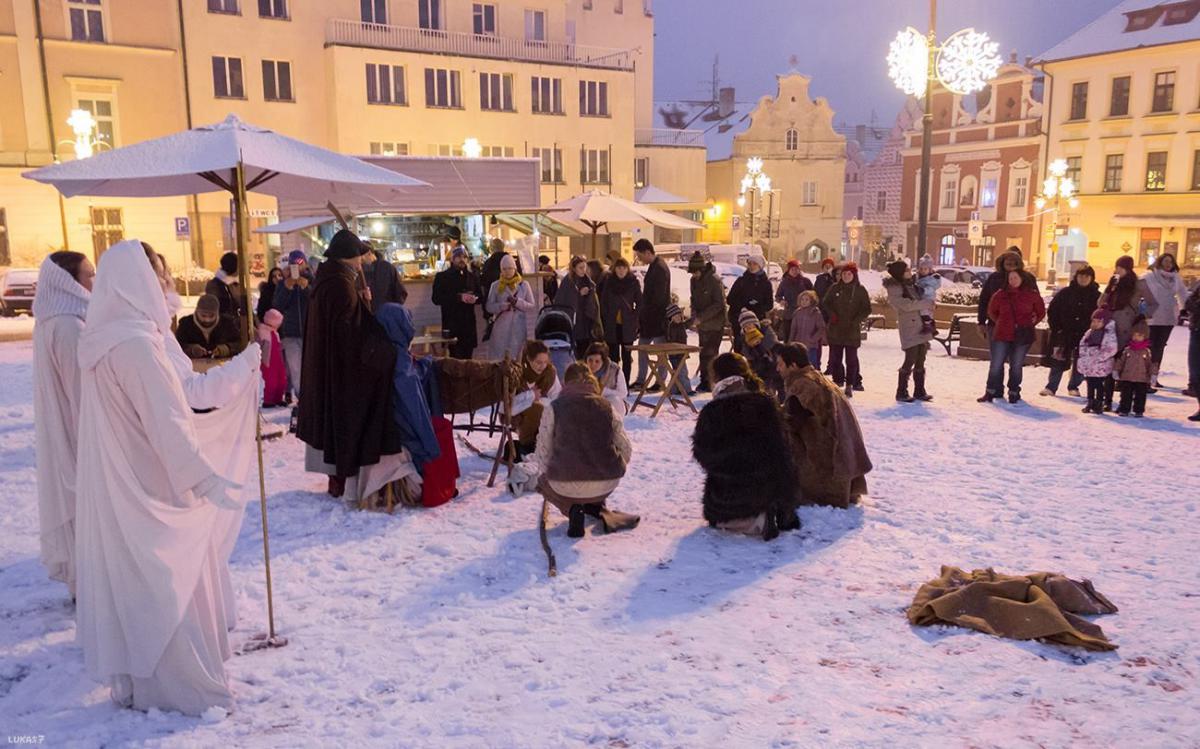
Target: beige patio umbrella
x,y
597,210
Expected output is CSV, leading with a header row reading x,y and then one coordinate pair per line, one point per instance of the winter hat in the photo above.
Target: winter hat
x,y
544,259
827,263
273,319
459,251
811,296
747,318
852,267
208,303
1126,262
925,262
1102,314
696,262
896,269
454,233
672,310
296,257
756,256
507,262
793,263
346,245
229,263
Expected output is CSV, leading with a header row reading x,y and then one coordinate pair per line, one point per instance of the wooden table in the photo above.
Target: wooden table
x,y
660,357
433,344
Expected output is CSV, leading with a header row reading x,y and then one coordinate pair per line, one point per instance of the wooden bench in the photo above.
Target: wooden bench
x,y
954,332
871,322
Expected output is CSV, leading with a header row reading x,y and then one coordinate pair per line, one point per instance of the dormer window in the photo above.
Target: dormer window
x,y
1178,14
1140,20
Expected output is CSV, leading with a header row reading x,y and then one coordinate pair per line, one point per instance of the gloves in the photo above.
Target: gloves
x,y
216,490
753,336
196,351
221,351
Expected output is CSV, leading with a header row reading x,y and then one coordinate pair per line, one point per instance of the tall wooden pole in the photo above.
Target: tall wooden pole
x,y
927,138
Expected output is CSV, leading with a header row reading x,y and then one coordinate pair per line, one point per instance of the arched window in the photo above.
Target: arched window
x,y
792,140
946,255
966,192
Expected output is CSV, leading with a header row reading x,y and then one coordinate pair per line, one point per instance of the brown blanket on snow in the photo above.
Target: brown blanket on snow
x,y
1043,605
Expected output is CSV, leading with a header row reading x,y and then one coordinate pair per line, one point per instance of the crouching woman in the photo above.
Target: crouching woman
x,y
749,484
583,451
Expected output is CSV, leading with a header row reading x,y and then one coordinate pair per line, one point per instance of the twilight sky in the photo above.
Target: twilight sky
x,y
841,44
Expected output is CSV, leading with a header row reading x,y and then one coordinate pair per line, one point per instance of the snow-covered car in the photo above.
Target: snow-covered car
x,y
17,287
963,274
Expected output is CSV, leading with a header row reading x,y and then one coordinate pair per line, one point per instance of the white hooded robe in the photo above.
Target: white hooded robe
x,y
151,616
59,308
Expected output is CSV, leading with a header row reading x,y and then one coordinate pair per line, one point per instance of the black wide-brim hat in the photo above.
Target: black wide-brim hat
x,y
346,245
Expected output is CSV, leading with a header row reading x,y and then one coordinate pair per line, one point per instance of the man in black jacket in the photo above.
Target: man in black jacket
x,y
652,315
207,333
383,280
456,290
226,287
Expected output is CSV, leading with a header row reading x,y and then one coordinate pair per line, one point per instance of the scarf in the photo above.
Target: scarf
x,y
1096,337
727,383
509,285
58,293
1141,345
543,381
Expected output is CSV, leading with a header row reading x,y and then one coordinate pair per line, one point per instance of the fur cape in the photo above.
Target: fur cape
x,y
829,450
741,445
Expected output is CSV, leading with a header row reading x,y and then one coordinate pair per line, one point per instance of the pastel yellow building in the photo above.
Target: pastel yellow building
x,y
1123,111
568,82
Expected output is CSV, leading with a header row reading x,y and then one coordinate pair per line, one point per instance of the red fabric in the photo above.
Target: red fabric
x,y
274,374
441,474
1027,305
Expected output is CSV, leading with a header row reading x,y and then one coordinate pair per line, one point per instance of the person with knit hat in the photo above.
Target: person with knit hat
x,y
266,292
549,279
226,287
208,333
676,325
912,307
751,291
1007,261
1097,348
758,346
790,288
1069,315
809,327
510,302
847,305
274,371
64,288
457,291
1133,369
345,407
491,270
1169,290
927,282
291,299
826,278
708,313
1127,297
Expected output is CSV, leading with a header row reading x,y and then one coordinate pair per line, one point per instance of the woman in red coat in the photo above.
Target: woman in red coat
x,y
1014,311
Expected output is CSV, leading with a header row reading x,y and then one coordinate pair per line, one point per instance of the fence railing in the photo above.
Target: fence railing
x,y
668,137
411,39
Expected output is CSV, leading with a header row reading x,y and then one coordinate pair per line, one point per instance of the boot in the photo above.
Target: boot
x,y
902,388
919,392
788,520
849,391
575,522
1152,388
294,419
337,486
985,398
1195,416
613,521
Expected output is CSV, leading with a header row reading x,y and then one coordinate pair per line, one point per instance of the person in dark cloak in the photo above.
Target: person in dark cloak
x,y
456,290
383,280
345,414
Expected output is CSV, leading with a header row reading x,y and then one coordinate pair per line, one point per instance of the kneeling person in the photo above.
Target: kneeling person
x,y
583,452
206,332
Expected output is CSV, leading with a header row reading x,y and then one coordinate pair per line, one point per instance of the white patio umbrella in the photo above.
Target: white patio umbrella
x,y
234,157
597,209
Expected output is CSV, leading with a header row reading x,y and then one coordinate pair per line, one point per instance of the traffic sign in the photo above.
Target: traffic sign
x,y
183,227
975,231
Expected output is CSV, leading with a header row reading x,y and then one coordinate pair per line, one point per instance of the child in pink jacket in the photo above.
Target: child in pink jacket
x,y
1097,349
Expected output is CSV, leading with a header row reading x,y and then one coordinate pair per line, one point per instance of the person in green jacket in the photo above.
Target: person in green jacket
x,y
708,313
847,305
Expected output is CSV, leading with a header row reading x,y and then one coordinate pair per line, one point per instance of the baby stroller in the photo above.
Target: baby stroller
x,y
555,327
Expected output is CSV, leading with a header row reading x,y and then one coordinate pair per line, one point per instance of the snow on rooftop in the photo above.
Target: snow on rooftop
x,y
1132,24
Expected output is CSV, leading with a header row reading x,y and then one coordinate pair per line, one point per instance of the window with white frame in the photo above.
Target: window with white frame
x,y
948,205
535,26
1018,189
593,98
442,88
593,169
495,92
547,95
641,172
808,193
87,20
386,84
497,152
946,249
373,11
224,6
967,189
791,140
102,109
429,14
227,78
552,164
272,9
989,192
277,80
881,201
388,148
443,149
483,19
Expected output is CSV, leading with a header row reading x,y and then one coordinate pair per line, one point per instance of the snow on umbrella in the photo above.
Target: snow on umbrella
x,y
597,209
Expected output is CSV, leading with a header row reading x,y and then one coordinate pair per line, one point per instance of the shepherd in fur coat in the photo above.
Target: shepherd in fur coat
x,y
829,450
741,445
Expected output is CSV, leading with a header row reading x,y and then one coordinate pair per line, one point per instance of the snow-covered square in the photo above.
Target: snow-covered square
x,y
439,628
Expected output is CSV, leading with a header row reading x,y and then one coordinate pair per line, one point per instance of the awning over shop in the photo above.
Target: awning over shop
x,y
544,223
295,224
656,197
1156,219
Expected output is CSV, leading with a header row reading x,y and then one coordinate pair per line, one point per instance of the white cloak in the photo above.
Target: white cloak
x,y
150,611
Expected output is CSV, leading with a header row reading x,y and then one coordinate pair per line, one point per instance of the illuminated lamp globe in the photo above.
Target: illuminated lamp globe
x,y
908,61
967,61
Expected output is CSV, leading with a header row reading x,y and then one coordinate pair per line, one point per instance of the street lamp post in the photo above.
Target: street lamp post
x,y
756,191
1056,188
963,65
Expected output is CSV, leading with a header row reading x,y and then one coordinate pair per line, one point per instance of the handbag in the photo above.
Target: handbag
x,y
1022,334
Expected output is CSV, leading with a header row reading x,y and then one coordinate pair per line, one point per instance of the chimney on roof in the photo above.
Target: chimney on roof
x,y
725,103
1028,61
1012,56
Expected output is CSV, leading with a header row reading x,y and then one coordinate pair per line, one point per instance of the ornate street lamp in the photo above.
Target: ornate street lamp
x,y
1057,189
963,64
756,191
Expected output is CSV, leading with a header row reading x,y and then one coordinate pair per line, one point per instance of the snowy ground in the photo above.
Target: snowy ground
x,y
439,628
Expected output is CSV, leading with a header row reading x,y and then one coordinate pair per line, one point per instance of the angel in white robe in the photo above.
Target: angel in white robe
x,y
59,308
151,615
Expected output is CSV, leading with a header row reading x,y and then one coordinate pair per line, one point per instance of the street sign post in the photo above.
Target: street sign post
x,y
183,227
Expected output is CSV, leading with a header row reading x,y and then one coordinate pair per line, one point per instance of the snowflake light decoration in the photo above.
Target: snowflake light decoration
x,y
908,61
967,61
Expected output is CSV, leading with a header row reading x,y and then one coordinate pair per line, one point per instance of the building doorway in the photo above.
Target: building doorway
x,y
1072,248
948,250
108,228
1149,246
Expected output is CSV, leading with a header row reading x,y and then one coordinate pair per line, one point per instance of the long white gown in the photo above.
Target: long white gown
x,y
151,616
59,308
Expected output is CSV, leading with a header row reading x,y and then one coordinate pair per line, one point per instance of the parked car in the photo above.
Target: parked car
x,y
17,287
971,275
